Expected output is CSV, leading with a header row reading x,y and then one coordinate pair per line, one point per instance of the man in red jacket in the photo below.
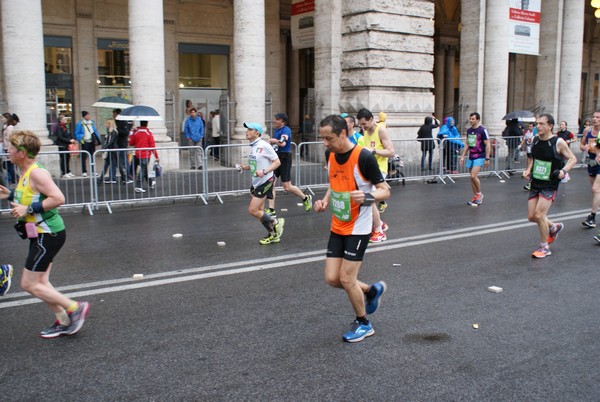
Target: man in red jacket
x,y
142,138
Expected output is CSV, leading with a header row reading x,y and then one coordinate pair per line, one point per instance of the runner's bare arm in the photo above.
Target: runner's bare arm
x,y
388,148
565,151
321,205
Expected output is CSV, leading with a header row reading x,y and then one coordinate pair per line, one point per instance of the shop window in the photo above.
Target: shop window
x,y
113,63
58,51
203,66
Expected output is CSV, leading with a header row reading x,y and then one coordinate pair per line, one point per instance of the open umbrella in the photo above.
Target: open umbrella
x,y
523,115
139,112
112,102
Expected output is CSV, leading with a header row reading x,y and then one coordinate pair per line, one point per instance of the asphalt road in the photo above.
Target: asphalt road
x,y
251,322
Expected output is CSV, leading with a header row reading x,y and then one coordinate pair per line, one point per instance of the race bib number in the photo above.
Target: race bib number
x,y
252,164
542,170
340,205
472,140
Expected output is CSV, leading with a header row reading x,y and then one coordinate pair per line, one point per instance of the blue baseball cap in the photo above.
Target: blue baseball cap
x,y
254,126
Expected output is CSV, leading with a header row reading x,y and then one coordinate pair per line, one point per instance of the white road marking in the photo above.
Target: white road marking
x,y
233,268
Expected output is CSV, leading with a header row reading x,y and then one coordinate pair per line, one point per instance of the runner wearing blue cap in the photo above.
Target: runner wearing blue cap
x,y
262,161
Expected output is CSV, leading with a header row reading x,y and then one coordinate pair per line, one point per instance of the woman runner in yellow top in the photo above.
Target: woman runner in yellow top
x,y
34,203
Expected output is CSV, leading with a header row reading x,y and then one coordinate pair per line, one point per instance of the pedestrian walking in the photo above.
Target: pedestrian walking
x,y
63,140
87,135
194,132
425,137
141,139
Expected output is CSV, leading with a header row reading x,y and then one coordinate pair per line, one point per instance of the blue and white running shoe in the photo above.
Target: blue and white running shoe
x,y
372,304
358,332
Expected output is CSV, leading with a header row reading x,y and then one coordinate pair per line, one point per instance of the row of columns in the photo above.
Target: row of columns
x,y
443,75
484,59
24,73
23,56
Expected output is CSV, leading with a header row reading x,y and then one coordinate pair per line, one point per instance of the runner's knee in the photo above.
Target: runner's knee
x,y
333,280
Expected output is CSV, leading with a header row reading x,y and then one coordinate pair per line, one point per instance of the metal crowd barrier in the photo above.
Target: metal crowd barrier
x,y
78,191
223,178
310,166
178,179
219,177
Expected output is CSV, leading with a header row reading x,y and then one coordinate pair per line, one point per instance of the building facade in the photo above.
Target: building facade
x,y
407,58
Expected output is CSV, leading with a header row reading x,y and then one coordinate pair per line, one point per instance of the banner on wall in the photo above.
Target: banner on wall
x,y
524,24
303,24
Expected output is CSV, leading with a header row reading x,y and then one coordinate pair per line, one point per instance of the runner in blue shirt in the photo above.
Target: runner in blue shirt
x,y
282,143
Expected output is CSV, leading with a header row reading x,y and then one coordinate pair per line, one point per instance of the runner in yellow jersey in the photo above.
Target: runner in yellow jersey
x,y
34,203
376,140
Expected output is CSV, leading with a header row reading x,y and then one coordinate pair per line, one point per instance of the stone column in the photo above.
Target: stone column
x,y
147,60
387,61
449,81
23,56
495,66
328,50
293,89
512,75
472,35
172,74
275,62
548,66
438,73
571,63
85,61
248,64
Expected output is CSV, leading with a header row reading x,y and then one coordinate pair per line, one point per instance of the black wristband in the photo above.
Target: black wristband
x,y
369,199
11,196
37,207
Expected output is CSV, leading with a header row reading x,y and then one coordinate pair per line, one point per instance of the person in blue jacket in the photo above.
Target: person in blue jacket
x,y
87,135
452,145
194,132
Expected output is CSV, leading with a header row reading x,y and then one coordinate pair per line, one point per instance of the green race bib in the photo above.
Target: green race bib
x,y
252,164
472,140
541,170
340,205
